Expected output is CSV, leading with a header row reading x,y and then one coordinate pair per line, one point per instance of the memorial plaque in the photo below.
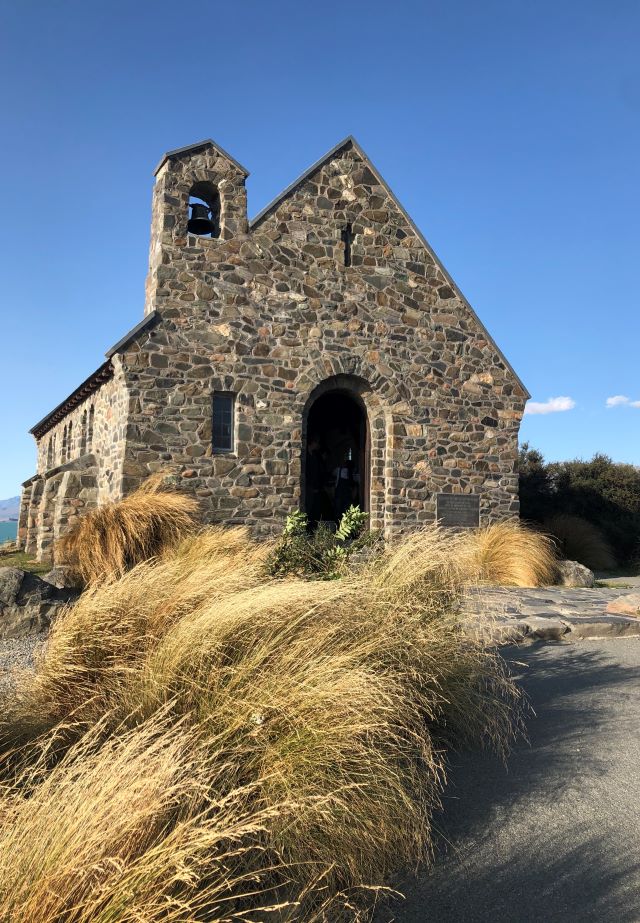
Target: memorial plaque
x,y
458,510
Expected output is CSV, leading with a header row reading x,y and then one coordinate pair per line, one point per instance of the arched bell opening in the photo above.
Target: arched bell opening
x,y
336,456
204,210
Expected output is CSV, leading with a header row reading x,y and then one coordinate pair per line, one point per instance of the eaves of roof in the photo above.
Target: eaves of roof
x,y
91,384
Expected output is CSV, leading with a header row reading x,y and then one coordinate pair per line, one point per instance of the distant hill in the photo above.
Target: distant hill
x,y
9,508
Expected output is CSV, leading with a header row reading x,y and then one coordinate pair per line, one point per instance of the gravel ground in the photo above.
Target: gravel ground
x,y
17,653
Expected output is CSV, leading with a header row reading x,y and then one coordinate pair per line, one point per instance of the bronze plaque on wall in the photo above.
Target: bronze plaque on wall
x,y
458,510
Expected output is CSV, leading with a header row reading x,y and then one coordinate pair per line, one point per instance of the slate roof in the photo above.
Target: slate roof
x,y
91,384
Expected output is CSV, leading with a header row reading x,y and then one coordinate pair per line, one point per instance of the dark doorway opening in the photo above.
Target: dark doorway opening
x,y
336,471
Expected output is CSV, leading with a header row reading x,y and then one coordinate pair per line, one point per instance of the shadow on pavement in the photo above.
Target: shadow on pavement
x,y
554,835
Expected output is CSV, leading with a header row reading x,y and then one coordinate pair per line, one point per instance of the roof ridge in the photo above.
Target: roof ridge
x,y
194,147
303,176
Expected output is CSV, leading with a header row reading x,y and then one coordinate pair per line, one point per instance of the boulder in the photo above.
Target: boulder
x,y
61,577
574,574
626,605
28,603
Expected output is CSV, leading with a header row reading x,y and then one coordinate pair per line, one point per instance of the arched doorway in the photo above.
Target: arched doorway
x,y
335,471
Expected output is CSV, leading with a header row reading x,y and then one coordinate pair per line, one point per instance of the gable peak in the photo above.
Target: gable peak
x,y
192,148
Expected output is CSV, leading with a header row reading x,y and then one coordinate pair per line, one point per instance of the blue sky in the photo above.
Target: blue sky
x,y
509,130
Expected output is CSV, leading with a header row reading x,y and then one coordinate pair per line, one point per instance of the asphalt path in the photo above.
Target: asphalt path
x,y
554,835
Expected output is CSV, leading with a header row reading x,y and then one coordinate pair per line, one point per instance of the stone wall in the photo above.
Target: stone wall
x,y
80,463
274,313
97,426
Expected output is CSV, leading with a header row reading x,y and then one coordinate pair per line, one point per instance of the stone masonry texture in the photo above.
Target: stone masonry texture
x,y
269,312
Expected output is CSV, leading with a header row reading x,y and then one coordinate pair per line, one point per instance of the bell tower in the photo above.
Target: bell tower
x,y
199,200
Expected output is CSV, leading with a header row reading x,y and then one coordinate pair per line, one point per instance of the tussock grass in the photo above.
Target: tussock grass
x,y
95,646
108,541
317,713
509,553
577,539
130,829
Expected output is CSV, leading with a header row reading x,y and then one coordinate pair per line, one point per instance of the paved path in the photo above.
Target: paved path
x,y
555,837
630,582
551,613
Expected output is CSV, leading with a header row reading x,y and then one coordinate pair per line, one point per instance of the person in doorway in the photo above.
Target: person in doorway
x,y
345,487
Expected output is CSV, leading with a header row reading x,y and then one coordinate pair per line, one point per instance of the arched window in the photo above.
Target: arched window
x,y
65,445
90,429
70,440
204,210
83,433
49,452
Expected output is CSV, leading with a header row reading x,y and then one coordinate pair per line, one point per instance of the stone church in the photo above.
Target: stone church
x,y
325,328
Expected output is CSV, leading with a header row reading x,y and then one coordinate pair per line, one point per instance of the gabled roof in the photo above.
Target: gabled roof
x,y
350,140
91,384
148,321
82,392
194,147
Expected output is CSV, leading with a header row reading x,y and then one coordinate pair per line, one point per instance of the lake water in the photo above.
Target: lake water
x,y
8,531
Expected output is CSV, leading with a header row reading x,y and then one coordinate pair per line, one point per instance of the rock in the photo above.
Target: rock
x,y
10,583
28,603
576,575
626,605
544,629
60,577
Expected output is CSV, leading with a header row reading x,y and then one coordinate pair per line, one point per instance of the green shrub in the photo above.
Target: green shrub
x,y
322,554
601,491
577,539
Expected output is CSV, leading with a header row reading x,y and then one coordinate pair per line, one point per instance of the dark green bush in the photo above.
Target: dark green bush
x,y
320,554
604,492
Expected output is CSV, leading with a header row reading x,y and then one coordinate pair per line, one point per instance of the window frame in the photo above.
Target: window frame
x,y
231,397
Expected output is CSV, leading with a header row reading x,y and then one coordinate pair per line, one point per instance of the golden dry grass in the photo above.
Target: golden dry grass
x,y
130,829
577,539
328,705
95,644
509,553
111,539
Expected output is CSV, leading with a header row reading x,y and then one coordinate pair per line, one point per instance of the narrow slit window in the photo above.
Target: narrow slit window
x,y
347,236
83,433
222,430
90,429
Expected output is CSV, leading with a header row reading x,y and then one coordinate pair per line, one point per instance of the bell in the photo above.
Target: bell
x,y
200,221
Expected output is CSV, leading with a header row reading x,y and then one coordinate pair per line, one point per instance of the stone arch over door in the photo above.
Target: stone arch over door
x,y
358,390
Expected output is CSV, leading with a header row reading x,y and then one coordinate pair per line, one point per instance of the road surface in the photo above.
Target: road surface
x,y
555,837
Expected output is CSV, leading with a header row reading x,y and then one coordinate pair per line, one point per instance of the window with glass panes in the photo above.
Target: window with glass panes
x,y
222,429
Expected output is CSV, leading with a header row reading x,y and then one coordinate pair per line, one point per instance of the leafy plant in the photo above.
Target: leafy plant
x,y
322,554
